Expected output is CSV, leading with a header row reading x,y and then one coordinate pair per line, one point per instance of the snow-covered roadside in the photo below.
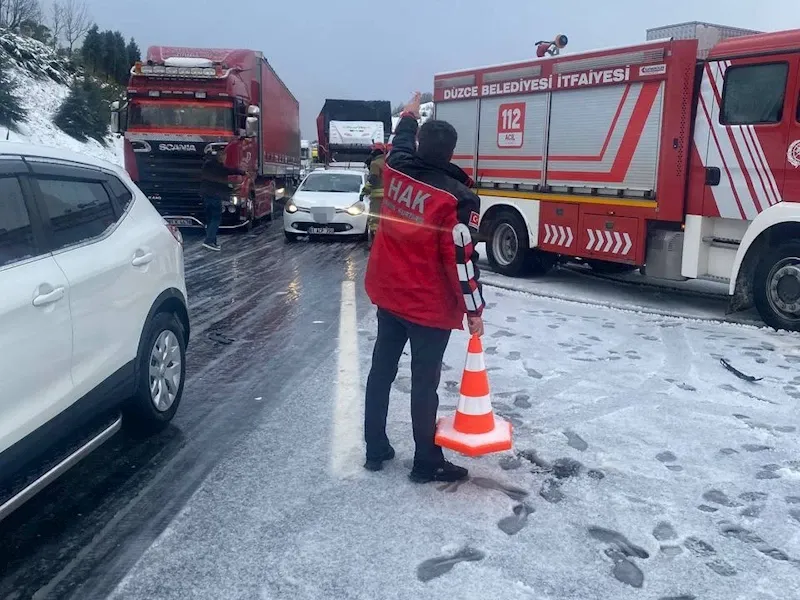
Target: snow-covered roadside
x,y
42,97
639,461
692,299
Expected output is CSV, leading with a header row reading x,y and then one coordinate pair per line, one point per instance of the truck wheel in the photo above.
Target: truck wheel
x,y
162,372
507,246
605,267
776,291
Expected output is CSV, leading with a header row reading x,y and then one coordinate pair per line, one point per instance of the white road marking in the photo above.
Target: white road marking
x,y
348,413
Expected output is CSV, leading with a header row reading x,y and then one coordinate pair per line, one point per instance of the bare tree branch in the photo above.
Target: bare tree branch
x,y
56,22
14,12
77,21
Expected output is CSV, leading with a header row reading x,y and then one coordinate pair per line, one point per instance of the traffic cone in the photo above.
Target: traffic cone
x,y
474,430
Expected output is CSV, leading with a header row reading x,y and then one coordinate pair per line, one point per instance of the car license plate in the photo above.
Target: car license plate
x,y
322,230
180,222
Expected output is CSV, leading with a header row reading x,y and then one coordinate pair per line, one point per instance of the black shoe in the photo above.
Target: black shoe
x,y
376,464
209,246
443,471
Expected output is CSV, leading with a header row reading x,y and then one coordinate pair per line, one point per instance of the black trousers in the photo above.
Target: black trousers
x,y
427,350
213,206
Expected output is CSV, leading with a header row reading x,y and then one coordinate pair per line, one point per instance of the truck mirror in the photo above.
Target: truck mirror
x,y
253,111
251,127
114,121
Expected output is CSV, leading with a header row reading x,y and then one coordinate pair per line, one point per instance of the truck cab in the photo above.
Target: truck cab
x,y
184,104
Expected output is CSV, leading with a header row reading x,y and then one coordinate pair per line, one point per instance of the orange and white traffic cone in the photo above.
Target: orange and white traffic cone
x,y
474,430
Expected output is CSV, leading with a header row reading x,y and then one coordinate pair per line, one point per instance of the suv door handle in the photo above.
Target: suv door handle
x,y
142,259
48,298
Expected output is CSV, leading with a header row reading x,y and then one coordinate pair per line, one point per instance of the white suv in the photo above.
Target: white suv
x,y
93,314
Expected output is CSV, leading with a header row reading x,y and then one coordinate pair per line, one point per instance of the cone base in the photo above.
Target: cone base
x,y
472,444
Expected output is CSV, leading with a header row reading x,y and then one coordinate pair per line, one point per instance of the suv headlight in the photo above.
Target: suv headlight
x,y
291,207
357,208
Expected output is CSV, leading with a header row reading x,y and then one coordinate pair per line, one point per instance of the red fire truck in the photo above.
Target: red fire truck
x,y
676,155
185,102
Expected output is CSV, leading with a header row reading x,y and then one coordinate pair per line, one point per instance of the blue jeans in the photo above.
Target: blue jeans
x,y
213,206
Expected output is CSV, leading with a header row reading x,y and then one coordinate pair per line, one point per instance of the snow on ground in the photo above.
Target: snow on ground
x,y
42,97
692,299
642,469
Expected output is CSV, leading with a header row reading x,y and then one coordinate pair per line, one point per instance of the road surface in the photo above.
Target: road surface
x,y
642,468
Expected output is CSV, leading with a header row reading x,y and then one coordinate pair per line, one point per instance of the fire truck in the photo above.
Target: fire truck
x,y
677,156
184,103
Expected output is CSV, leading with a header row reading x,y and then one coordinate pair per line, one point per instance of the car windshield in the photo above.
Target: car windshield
x,y
167,114
332,182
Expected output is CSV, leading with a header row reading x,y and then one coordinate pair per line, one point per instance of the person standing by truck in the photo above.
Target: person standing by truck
x,y
423,277
216,188
374,187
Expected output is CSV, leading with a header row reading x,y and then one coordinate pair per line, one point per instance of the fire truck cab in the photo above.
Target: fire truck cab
x,y
680,156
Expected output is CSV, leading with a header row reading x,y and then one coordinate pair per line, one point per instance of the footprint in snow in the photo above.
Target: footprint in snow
x,y
620,550
511,491
719,497
511,319
738,532
522,401
451,487
666,458
575,441
440,565
513,355
490,350
501,333
517,521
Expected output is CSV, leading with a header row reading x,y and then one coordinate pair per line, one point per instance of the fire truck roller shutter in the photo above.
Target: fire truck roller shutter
x,y
606,138
461,114
511,139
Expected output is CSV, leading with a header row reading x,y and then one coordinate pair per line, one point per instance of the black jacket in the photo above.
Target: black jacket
x,y
215,177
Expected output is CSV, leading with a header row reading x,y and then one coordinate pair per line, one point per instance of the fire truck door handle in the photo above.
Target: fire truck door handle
x,y
713,176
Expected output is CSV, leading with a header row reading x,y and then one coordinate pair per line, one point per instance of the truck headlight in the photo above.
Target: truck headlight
x,y
291,208
235,200
356,209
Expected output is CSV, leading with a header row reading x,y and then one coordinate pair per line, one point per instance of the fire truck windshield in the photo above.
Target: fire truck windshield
x,y
207,117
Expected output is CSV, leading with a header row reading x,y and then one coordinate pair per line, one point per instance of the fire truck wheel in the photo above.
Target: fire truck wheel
x,y
776,289
507,248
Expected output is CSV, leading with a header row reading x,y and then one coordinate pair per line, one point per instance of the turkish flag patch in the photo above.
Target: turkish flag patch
x,y
474,219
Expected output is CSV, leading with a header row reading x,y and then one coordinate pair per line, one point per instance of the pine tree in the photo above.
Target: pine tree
x,y
72,117
134,54
84,113
11,110
91,49
109,53
121,65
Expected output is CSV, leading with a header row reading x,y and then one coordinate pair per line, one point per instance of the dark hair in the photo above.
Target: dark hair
x,y
437,141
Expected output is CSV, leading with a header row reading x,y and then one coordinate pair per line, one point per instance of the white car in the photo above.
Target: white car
x,y
327,203
93,314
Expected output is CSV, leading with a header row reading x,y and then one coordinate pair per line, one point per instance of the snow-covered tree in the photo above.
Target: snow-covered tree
x,y
84,113
11,110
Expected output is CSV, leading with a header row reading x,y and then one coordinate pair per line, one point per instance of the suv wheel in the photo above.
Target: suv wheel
x,y
162,371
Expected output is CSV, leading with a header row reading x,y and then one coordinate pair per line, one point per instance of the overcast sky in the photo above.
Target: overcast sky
x,y
384,50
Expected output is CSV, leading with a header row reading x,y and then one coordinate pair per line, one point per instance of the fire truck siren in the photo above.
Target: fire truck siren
x,y
552,48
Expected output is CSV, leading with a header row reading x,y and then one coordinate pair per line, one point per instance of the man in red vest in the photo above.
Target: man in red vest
x,y
423,277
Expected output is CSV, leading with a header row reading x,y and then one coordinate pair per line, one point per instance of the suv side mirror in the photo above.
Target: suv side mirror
x,y
251,127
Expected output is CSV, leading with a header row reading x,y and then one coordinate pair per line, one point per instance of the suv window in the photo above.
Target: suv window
x,y
754,94
16,235
121,192
78,210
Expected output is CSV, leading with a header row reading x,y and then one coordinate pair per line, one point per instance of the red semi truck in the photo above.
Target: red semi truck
x,y
681,156
185,102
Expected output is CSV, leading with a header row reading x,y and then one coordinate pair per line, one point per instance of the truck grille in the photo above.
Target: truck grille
x,y
172,182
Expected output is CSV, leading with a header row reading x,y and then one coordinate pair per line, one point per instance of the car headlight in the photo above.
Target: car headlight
x,y
356,209
291,207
